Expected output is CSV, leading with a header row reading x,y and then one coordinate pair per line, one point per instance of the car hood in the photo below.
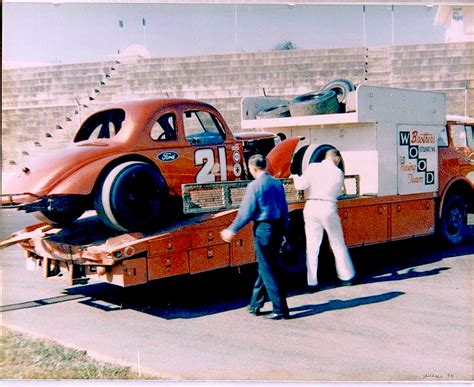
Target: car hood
x,y
247,136
39,175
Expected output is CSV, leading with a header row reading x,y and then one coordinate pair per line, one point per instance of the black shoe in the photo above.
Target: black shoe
x,y
254,311
312,289
349,282
276,316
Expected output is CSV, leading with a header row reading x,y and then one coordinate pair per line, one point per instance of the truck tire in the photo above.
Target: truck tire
x,y
131,197
341,87
453,222
293,249
309,154
274,112
296,166
319,102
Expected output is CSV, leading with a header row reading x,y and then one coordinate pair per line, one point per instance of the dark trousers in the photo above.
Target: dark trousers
x,y
268,236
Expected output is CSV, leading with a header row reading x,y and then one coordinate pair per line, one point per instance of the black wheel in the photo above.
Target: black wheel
x,y
296,166
132,197
293,250
454,219
274,112
320,102
60,217
308,155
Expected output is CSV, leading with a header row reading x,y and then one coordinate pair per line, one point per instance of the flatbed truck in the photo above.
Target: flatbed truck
x,y
409,169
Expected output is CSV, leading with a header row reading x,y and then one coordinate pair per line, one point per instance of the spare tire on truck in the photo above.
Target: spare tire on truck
x,y
318,102
132,197
342,87
274,112
309,154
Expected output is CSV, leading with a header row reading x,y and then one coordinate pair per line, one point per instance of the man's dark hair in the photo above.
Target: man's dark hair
x,y
258,161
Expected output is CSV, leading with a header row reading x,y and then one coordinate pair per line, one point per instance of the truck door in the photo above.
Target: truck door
x,y
456,153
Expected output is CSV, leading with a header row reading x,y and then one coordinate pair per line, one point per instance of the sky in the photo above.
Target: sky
x,y
69,33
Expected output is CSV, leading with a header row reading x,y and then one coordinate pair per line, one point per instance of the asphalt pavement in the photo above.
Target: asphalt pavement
x,y
410,319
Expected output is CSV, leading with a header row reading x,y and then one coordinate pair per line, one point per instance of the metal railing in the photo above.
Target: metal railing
x,y
227,195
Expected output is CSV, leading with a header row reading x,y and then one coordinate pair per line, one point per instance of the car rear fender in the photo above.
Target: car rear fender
x,y
279,158
84,180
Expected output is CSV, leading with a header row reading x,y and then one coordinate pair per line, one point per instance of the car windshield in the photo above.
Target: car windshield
x,y
104,124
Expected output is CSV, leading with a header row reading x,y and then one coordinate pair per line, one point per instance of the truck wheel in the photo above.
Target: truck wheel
x,y
309,154
296,167
320,102
293,250
131,197
454,219
274,112
61,218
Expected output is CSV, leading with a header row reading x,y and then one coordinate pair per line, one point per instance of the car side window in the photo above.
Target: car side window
x,y
102,125
164,128
458,134
202,128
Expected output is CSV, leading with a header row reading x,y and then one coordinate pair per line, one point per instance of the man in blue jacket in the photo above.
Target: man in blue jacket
x,y
265,204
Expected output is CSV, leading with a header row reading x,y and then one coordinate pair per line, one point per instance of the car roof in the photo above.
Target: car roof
x,y
156,103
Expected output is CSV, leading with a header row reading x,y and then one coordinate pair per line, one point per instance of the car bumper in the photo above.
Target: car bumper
x,y
17,200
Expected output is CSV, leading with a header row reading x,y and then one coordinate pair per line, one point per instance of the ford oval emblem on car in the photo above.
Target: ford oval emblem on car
x,y
167,156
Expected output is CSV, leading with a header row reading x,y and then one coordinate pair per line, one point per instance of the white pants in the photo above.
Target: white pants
x,y
319,216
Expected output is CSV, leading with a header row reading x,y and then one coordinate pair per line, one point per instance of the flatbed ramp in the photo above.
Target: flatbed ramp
x,y
88,249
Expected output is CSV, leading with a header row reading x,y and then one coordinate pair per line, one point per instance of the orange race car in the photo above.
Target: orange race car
x,y
128,162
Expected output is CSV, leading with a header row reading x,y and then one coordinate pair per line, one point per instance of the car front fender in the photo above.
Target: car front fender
x,y
279,158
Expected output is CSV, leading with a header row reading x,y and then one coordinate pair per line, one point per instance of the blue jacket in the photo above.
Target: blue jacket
x,y
264,199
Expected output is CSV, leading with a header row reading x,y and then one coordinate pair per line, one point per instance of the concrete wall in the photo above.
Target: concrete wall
x,y
43,106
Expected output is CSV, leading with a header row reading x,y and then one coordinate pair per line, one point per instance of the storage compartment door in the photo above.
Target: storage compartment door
x,y
412,218
209,258
242,247
365,224
168,265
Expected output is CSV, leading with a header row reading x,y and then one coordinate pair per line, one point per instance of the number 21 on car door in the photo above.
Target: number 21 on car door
x,y
213,165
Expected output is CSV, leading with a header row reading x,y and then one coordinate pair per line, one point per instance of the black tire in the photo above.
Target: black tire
x,y
317,155
320,152
320,102
296,166
60,218
341,87
274,112
453,222
131,197
293,249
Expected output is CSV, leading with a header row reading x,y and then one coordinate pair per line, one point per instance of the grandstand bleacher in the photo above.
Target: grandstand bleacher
x,y
42,107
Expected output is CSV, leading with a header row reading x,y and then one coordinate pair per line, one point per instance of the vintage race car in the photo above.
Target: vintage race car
x,y
128,162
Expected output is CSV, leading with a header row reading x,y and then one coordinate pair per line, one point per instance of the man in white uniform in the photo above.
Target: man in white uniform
x,y
324,182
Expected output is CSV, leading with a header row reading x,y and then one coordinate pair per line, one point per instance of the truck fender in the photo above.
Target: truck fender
x,y
458,181
279,158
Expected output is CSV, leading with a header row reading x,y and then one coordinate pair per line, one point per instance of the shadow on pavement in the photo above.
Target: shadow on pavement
x,y
228,289
312,309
